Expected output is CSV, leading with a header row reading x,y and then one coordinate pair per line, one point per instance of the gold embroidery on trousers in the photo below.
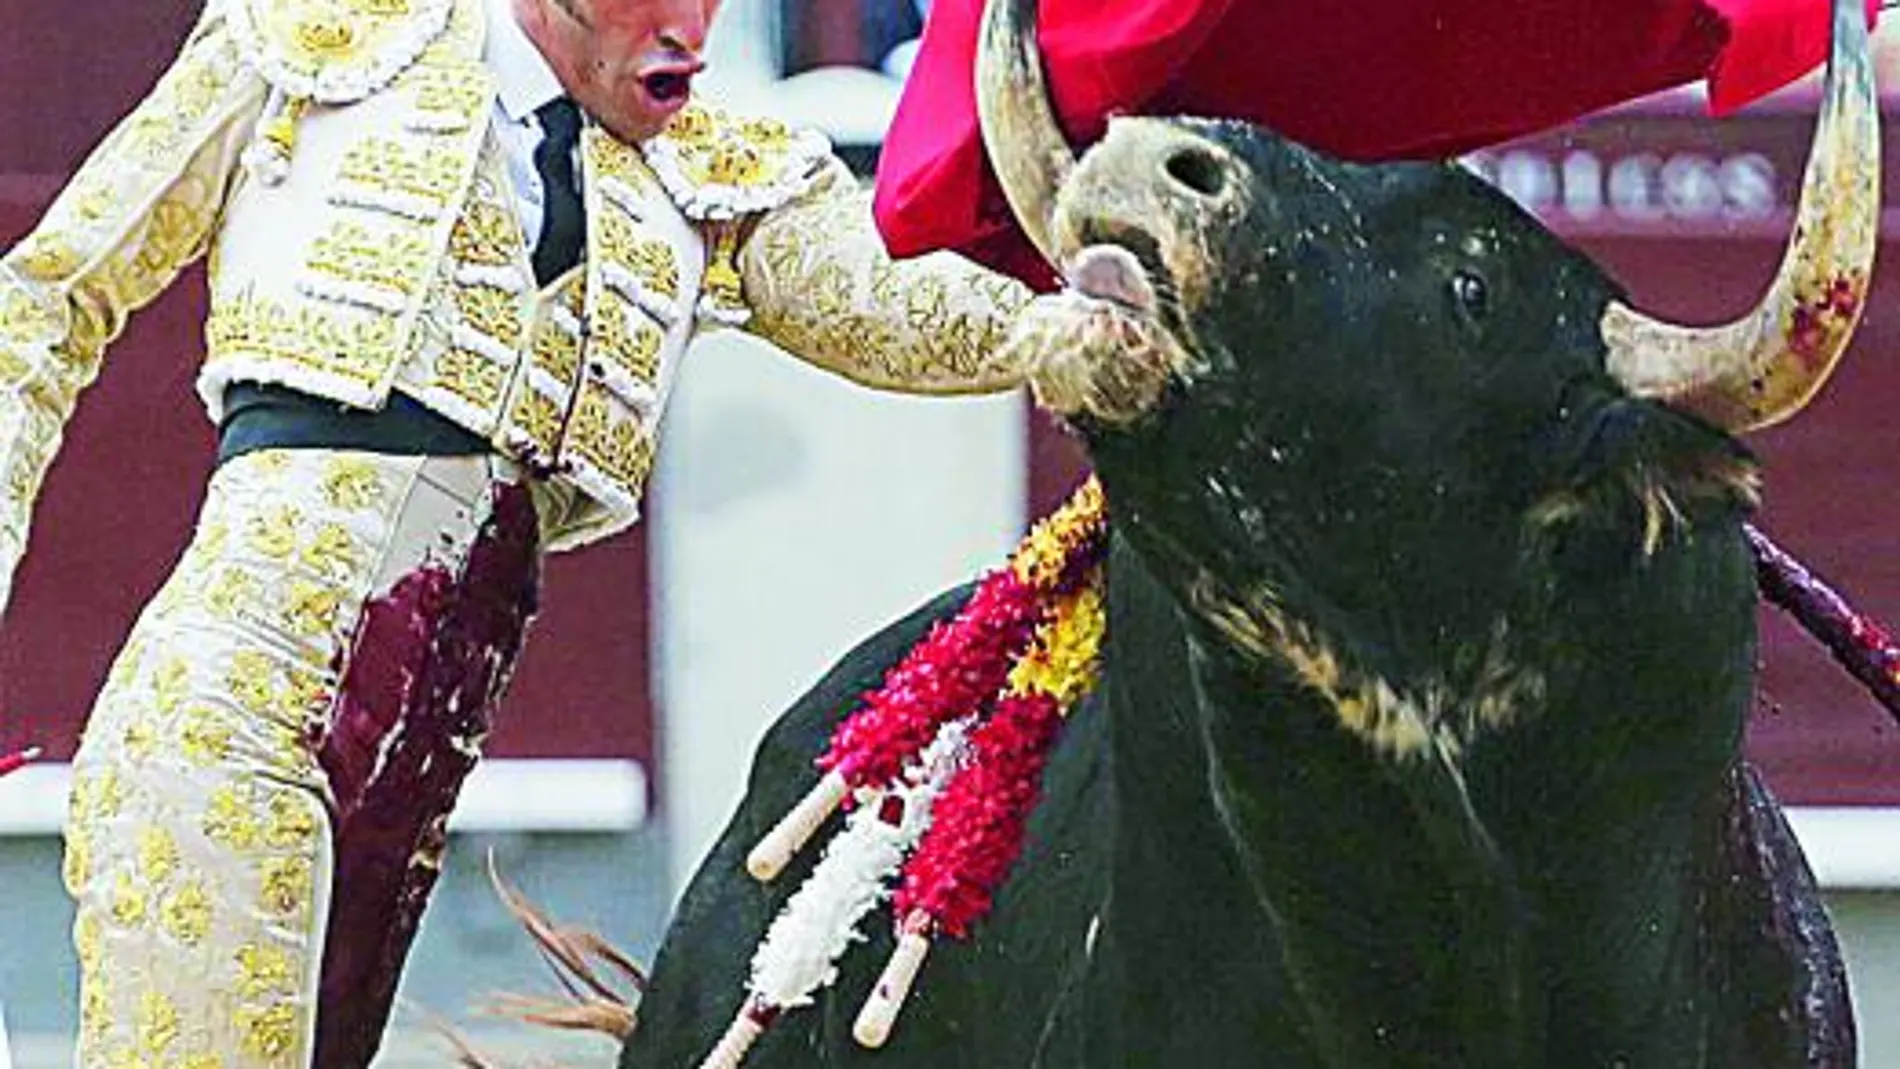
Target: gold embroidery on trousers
x,y
200,860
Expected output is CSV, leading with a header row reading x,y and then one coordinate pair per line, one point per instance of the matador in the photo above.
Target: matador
x,y
457,249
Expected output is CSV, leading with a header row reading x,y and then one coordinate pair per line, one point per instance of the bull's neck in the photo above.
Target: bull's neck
x,y
1180,914
1606,715
1237,798
1369,861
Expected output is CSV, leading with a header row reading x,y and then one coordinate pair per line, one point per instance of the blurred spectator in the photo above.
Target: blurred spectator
x,y
876,35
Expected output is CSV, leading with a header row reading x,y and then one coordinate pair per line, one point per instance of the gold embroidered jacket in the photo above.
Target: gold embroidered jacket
x,y
336,159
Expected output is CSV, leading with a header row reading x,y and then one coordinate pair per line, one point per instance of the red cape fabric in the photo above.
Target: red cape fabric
x,y
1379,79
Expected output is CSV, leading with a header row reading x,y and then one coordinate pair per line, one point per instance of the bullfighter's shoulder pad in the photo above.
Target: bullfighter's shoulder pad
x,y
717,165
340,51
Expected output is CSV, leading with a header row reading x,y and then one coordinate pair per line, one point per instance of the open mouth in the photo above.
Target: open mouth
x,y
1113,274
1109,348
670,84
1120,267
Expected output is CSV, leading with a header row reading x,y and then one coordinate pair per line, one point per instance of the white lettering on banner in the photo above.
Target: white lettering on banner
x,y
1645,187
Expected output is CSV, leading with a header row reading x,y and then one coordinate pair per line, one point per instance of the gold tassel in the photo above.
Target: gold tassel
x,y
269,154
724,287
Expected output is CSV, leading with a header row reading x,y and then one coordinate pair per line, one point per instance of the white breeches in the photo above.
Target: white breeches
x,y
201,841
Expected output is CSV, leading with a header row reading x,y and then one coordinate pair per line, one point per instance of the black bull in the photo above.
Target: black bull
x,y
1429,654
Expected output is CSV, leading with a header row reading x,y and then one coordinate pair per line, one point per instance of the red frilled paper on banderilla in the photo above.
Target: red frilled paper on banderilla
x,y
1380,79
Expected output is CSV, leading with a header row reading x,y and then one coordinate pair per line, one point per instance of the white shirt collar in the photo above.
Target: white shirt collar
x,y
524,79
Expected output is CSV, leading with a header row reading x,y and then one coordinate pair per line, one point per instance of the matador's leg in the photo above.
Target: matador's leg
x,y
215,793
433,653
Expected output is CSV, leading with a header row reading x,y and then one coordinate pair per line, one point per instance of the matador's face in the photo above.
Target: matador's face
x,y
628,63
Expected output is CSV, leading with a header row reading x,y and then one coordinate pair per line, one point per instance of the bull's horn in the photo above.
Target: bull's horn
x,y
1025,144
1764,367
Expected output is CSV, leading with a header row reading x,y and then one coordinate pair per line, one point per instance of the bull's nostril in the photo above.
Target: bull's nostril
x,y
1198,169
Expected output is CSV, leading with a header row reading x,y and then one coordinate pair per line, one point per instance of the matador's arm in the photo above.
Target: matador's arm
x,y
141,208
821,286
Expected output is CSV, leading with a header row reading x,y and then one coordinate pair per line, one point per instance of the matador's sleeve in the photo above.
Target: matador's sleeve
x,y
140,209
821,286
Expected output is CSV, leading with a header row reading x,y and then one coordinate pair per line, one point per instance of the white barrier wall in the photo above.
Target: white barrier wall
x,y
795,514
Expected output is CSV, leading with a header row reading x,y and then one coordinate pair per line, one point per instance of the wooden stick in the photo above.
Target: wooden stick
x,y
796,828
745,1030
879,1015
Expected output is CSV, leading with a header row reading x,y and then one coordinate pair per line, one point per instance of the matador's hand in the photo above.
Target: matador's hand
x,y
1083,355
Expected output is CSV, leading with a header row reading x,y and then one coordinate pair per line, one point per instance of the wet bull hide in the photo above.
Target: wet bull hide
x,y
1431,640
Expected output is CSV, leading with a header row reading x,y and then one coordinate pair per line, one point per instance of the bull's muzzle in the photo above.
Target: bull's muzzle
x,y
1129,230
1159,190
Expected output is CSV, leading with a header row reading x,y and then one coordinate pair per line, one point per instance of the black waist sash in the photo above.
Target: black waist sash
x,y
263,416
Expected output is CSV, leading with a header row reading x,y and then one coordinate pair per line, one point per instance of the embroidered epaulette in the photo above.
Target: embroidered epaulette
x,y
718,166
335,51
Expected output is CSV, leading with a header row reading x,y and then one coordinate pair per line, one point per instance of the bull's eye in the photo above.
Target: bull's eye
x,y
1468,290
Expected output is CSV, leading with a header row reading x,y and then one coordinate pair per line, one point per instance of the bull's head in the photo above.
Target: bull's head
x,y
1167,204
1291,364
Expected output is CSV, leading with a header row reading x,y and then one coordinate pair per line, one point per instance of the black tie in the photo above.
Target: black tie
x,y
563,220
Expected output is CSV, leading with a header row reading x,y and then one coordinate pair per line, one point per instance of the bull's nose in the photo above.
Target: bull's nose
x,y
1195,169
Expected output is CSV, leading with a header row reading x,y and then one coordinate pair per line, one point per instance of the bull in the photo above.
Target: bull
x,y
1431,639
